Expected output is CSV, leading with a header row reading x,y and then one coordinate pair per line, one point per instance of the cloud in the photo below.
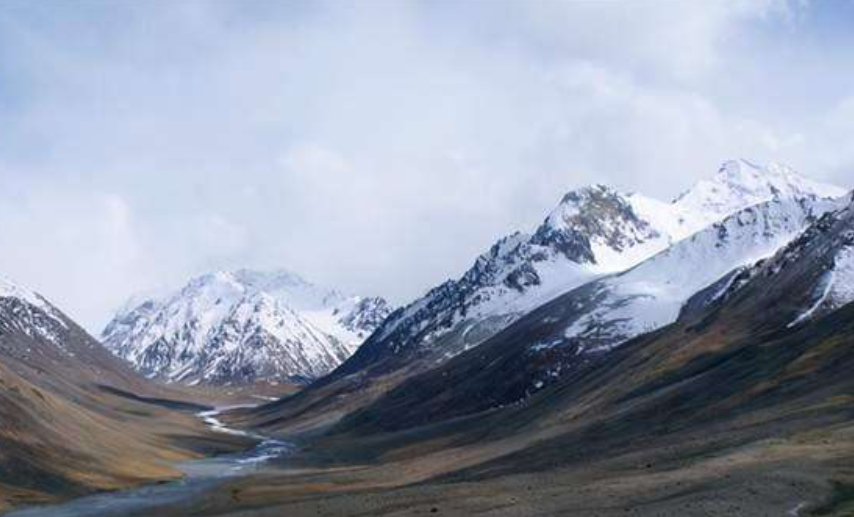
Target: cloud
x,y
81,242
678,40
377,146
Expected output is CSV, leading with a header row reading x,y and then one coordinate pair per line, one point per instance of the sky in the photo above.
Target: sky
x,y
379,146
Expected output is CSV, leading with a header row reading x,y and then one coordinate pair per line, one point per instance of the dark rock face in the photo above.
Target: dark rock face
x,y
366,316
593,214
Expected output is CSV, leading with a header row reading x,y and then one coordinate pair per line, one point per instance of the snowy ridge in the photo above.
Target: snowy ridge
x,y
595,232
739,184
592,232
756,243
652,294
242,326
264,338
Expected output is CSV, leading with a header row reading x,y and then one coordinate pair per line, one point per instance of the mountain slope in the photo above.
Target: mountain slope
x,y
588,323
589,238
734,365
809,277
727,411
593,232
652,294
714,421
241,327
66,429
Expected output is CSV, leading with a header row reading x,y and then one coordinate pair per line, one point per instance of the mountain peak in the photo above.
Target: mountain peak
x,y
590,189
587,193
9,289
739,184
250,279
226,326
774,178
592,222
277,276
580,202
597,230
737,166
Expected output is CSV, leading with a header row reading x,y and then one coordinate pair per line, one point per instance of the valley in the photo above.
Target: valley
x,y
199,476
627,357
417,258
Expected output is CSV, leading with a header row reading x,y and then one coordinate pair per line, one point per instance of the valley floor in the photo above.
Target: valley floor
x,y
767,480
805,474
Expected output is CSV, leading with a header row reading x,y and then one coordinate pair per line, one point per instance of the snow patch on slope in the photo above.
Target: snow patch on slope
x,y
837,286
842,290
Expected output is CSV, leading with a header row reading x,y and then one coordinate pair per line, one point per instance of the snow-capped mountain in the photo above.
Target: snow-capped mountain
x,y
729,344
593,232
610,311
584,326
243,326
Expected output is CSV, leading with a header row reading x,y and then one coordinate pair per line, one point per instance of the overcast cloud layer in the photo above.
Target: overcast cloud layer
x,y
378,146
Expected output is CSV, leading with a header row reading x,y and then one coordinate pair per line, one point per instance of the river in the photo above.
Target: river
x,y
199,477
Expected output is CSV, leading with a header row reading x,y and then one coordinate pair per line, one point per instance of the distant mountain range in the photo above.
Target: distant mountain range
x,y
239,327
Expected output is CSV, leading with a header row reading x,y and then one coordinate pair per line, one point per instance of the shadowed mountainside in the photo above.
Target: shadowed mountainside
x,y
718,414
741,407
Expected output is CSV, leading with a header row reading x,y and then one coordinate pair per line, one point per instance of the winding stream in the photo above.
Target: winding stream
x,y
199,476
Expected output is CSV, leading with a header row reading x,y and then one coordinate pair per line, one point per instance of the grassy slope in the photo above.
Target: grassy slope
x,y
724,418
63,435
